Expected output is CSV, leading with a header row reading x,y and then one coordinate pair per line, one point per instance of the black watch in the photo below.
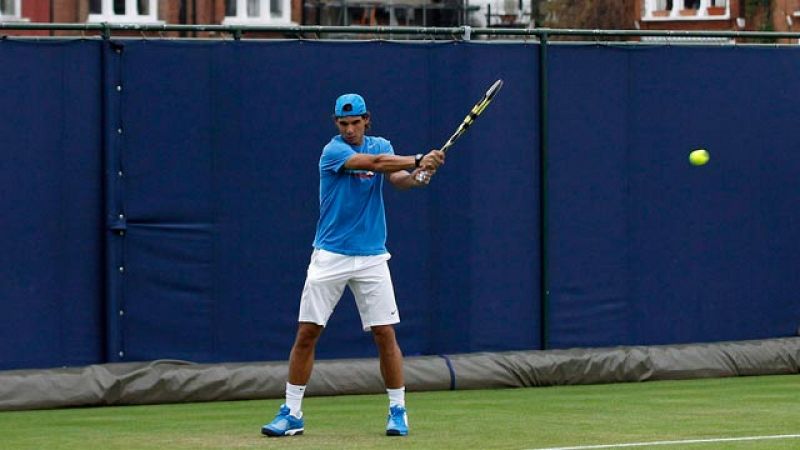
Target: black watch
x,y
418,159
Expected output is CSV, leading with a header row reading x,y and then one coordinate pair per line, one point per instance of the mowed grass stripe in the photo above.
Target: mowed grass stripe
x,y
682,442
561,416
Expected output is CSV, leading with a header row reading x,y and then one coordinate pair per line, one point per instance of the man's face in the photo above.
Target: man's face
x,y
352,128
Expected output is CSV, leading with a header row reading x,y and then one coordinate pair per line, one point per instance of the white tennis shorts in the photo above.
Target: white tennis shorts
x,y
367,277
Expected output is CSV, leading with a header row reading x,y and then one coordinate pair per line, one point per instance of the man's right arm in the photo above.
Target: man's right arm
x,y
380,163
386,163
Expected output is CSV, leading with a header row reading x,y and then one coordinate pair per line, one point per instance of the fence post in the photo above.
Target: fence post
x,y
543,193
114,214
106,31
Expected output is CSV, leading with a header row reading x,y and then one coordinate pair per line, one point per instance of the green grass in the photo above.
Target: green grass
x,y
487,419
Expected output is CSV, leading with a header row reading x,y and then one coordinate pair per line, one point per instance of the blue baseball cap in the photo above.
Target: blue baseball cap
x,y
350,105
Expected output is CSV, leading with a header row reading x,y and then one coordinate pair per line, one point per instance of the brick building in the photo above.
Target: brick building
x,y
780,15
722,15
690,14
232,12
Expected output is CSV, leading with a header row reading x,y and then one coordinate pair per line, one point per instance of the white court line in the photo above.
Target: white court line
x,y
685,441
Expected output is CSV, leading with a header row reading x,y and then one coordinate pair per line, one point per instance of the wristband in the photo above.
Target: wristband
x,y
418,159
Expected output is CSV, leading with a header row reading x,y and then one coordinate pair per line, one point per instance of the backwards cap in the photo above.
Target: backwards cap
x,y
350,105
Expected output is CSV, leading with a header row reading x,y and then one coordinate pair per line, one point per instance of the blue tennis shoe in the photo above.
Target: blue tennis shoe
x,y
284,424
397,423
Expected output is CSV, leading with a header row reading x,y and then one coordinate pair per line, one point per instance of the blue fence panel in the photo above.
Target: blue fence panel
x,y
51,305
485,203
647,249
589,302
221,148
160,197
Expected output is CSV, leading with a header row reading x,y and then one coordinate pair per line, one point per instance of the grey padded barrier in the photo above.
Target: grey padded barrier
x,y
170,381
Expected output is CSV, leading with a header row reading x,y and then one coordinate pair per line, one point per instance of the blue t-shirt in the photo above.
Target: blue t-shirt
x,y
352,220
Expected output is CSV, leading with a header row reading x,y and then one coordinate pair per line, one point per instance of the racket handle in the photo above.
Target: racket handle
x,y
422,177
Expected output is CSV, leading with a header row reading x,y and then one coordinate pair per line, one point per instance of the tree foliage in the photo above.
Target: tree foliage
x,y
587,14
758,13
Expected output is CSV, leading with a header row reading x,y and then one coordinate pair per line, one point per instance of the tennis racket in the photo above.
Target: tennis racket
x,y
476,111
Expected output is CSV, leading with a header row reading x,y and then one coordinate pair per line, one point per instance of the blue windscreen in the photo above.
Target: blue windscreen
x,y
51,244
221,149
646,248
159,198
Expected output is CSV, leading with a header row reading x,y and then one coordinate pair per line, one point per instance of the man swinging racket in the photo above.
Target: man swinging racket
x,y
350,250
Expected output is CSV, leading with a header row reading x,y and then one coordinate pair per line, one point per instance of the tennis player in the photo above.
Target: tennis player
x,y
350,250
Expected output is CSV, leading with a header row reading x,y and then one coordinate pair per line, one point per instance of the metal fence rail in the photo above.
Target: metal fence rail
x,y
463,32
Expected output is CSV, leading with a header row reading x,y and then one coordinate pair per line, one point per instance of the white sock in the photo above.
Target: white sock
x,y
294,398
397,397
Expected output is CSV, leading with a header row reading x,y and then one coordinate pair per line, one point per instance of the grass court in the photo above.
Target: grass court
x,y
728,413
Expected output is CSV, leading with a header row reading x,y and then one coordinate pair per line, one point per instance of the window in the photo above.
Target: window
x,y
124,11
685,10
660,8
10,10
257,12
717,7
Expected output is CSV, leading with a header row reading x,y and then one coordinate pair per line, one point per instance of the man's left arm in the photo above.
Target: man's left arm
x,y
404,179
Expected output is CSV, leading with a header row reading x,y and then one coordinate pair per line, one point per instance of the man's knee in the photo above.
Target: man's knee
x,y
383,331
384,336
307,334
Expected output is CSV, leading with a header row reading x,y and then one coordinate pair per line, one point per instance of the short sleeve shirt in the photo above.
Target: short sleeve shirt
x,y
352,219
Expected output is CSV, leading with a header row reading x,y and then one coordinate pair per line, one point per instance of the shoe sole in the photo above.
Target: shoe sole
x,y
269,433
396,433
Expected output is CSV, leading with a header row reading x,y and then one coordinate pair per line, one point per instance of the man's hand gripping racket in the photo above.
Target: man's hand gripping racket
x,y
424,177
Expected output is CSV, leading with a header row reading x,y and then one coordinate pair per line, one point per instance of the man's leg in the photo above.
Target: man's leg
x,y
391,358
374,294
391,362
289,421
301,362
301,358
322,290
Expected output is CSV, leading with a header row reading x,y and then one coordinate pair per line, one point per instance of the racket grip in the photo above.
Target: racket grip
x,y
423,177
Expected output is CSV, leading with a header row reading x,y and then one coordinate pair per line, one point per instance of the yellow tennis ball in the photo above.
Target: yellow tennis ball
x,y
699,157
